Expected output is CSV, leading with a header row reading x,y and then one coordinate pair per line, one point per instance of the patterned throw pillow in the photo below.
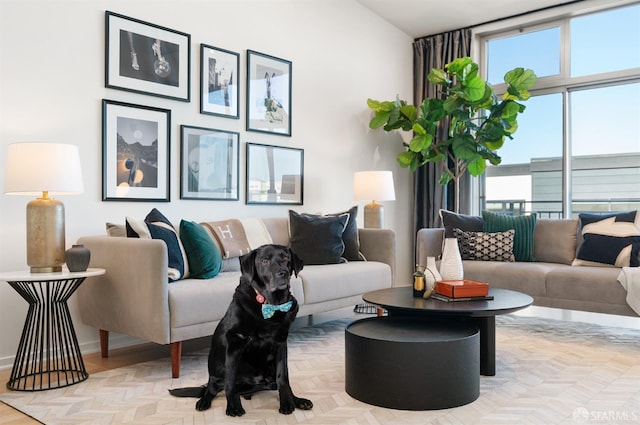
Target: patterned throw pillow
x,y
610,240
485,246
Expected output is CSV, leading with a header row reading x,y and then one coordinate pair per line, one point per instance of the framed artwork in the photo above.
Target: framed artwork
x,y
219,90
135,152
275,175
147,58
268,94
209,163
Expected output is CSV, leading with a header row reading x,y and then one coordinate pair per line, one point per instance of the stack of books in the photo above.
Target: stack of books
x,y
461,290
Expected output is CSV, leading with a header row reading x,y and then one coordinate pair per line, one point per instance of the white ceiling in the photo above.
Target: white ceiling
x,y
426,17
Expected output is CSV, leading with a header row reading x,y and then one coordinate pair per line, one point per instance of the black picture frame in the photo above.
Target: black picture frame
x,y
209,163
219,82
147,58
268,94
136,143
274,175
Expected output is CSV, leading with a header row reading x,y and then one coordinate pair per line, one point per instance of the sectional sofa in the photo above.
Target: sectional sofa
x,y
555,275
144,296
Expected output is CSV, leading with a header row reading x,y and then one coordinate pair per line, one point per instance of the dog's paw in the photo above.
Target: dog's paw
x,y
287,407
235,410
204,403
303,403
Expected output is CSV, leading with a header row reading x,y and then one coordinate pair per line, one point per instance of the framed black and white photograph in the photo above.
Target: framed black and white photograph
x,y
268,94
209,163
275,175
219,77
147,58
135,152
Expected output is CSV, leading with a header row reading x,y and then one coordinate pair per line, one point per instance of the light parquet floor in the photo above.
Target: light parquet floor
x,y
548,373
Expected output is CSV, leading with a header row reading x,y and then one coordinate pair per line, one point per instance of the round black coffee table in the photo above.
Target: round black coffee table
x,y
399,301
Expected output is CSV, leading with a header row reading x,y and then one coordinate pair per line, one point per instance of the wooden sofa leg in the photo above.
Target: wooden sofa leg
x,y
176,352
380,312
104,343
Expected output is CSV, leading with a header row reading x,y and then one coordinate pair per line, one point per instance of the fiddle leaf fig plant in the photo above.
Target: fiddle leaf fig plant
x,y
479,122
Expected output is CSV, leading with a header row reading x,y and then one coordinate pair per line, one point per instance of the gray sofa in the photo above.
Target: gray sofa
x,y
135,298
551,280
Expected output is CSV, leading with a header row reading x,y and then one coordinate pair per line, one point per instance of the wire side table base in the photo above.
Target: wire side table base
x,y
48,355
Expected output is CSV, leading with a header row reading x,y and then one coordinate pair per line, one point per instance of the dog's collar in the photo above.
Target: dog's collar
x,y
268,310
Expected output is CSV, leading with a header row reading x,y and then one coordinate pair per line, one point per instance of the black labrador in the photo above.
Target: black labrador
x,y
249,346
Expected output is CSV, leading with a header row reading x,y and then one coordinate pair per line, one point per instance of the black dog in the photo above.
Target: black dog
x,y
249,346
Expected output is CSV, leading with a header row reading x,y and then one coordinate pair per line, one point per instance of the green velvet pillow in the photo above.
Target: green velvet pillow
x,y
203,255
523,226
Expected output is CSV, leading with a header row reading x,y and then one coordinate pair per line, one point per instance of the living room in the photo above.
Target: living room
x,y
53,84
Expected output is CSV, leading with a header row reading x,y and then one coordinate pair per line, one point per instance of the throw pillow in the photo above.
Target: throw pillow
x,y
157,226
202,252
317,239
485,246
611,240
466,223
523,226
350,235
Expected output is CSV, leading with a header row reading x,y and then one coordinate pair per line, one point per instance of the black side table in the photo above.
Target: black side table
x,y
48,355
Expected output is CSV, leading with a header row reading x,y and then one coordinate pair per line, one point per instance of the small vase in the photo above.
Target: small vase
x,y
431,276
451,264
77,258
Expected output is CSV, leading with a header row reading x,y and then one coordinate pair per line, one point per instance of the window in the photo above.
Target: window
x,y
577,147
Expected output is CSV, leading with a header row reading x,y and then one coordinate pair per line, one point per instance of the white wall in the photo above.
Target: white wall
x,y
52,85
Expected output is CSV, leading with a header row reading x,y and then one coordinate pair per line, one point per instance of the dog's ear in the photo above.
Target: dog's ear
x,y
248,263
295,264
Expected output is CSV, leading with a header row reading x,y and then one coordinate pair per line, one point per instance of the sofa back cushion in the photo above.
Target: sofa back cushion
x,y
555,240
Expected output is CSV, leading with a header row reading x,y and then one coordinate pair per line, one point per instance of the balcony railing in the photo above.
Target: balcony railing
x,y
553,209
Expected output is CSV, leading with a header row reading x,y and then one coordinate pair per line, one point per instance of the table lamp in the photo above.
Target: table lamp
x,y
374,186
35,168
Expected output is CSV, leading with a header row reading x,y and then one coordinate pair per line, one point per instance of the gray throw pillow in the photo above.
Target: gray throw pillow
x,y
466,223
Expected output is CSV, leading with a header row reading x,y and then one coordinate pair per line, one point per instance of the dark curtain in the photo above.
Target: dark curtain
x,y
430,196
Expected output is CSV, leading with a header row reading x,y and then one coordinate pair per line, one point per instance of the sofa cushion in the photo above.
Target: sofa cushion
x,y
116,230
467,223
329,282
610,240
554,241
527,277
523,225
485,246
195,302
317,239
237,237
202,252
157,226
588,284
350,235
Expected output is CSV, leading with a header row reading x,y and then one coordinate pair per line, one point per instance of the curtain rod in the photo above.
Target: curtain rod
x,y
542,9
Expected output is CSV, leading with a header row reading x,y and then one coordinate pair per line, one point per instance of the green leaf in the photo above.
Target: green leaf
x,y
452,103
433,109
418,129
494,145
378,106
379,119
405,158
520,78
477,167
464,147
445,178
457,65
420,142
474,89
410,112
438,77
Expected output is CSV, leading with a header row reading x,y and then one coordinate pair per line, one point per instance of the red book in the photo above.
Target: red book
x,y
462,288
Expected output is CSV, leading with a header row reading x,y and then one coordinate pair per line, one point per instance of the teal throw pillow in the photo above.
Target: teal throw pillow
x,y
203,254
523,225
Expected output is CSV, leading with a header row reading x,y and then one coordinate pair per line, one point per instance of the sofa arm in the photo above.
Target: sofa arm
x,y
379,245
429,244
132,297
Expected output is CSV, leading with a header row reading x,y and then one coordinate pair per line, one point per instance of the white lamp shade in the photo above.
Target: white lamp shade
x,y
35,167
373,186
